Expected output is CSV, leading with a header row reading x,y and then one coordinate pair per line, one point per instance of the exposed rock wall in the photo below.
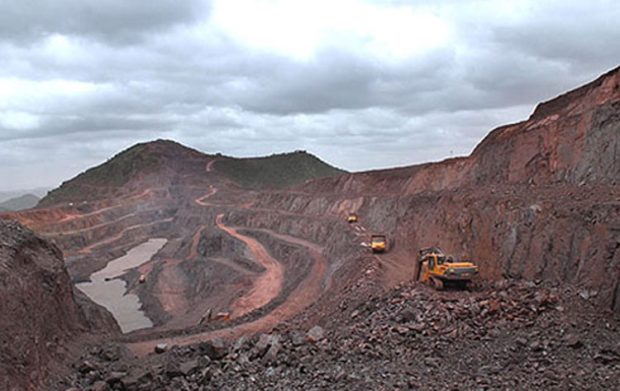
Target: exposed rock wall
x,y
538,200
39,317
574,138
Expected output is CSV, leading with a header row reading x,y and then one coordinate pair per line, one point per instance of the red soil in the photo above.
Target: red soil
x,y
267,285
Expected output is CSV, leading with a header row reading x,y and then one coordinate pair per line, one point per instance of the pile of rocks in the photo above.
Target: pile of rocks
x,y
509,335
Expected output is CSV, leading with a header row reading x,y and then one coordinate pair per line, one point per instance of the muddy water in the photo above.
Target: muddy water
x,y
112,294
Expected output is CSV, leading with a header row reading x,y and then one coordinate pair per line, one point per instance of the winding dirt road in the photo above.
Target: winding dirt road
x,y
306,293
209,167
268,284
397,265
265,288
201,200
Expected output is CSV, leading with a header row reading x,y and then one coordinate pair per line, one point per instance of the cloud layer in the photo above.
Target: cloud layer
x,y
362,84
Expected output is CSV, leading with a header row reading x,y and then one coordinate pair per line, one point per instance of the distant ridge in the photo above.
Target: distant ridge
x,y
25,201
162,163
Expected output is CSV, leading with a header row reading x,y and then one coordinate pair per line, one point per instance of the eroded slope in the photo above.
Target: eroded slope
x,y
39,315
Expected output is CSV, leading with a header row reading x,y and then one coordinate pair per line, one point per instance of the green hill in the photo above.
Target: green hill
x,y
275,171
105,179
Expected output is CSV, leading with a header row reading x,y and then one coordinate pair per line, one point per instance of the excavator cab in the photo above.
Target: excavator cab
x,y
352,218
438,270
378,243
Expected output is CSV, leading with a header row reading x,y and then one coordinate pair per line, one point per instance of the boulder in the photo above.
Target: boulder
x,y
215,349
315,334
161,348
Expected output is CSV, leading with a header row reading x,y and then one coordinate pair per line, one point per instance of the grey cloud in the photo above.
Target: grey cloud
x,y
580,34
115,21
156,74
343,81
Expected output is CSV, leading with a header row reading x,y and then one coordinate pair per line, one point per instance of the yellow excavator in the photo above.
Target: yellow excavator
x,y
438,270
378,243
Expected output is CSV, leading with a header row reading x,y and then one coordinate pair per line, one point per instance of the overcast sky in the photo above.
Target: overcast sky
x,y
361,84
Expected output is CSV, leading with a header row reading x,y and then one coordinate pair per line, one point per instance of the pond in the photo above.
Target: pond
x,y
111,292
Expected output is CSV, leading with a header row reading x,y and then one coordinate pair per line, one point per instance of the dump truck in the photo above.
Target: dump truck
x,y
352,218
439,270
378,243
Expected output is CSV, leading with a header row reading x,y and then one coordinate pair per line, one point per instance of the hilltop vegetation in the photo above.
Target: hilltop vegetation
x,y
275,171
114,173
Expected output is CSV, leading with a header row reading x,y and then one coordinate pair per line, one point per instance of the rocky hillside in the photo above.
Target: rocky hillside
x,y
164,163
572,139
142,165
39,315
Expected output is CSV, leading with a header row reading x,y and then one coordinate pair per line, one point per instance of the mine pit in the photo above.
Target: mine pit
x,y
110,291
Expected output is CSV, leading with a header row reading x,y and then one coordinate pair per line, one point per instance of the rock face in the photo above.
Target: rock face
x,y
537,200
39,317
570,139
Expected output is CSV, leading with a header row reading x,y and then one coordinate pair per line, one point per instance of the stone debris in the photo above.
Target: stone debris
x,y
508,335
161,347
315,334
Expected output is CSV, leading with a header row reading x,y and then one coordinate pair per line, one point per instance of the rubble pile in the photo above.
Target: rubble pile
x,y
508,335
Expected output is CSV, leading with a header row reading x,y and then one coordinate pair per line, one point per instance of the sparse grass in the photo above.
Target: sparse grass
x,y
275,171
112,174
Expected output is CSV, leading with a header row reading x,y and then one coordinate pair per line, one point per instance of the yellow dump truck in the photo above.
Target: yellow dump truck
x,y
378,243
438,270
352,218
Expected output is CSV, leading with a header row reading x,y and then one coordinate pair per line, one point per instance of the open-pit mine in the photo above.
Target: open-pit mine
x,y
169,269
